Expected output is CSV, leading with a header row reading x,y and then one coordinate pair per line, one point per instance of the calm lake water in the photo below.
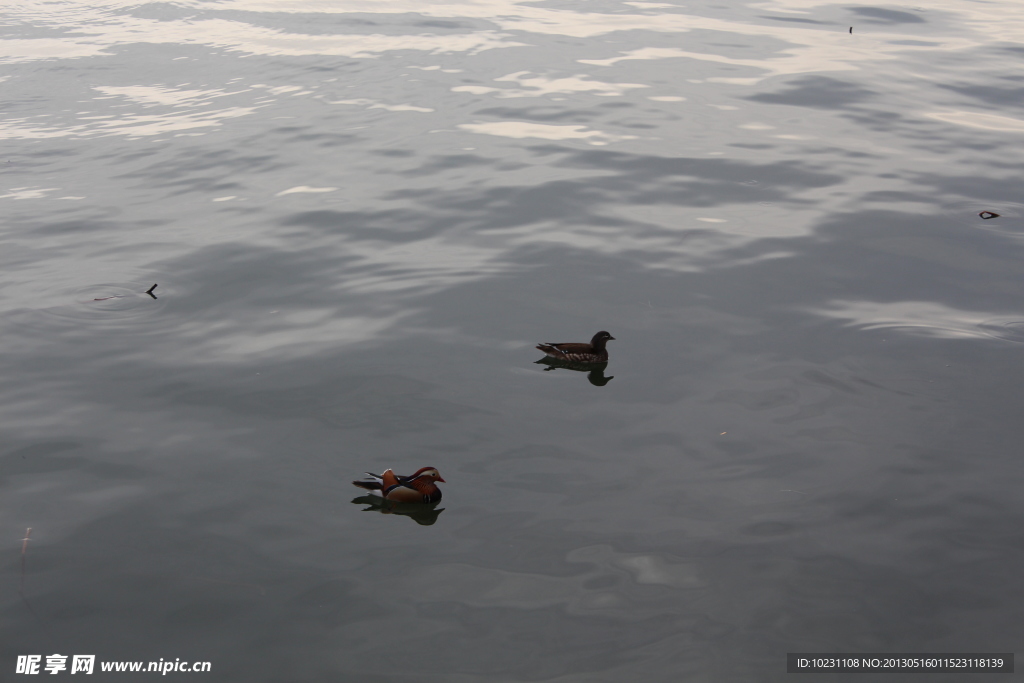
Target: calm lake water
x,y
361,218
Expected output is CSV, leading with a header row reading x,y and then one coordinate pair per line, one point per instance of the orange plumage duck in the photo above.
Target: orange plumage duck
x,y
420,487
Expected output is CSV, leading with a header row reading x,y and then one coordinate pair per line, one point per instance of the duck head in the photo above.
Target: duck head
x,y
600,339
428,473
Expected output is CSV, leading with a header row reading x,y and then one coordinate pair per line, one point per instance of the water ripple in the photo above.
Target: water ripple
x,y
1007,329
108,301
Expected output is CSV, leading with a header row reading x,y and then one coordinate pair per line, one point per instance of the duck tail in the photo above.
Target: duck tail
x,y
374,484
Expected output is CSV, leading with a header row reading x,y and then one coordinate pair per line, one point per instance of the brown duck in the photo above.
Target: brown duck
x,y
574,352
417,488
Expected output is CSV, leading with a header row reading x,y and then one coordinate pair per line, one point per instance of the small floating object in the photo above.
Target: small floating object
x,y
574,352
150,291
851,29
417,488
985,215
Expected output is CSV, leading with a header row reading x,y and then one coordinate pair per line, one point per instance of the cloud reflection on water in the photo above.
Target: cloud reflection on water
x,y
520,129
89,32
182,116
980,120
537,86
927,318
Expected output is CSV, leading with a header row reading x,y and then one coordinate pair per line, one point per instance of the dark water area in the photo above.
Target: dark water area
x,y
362,217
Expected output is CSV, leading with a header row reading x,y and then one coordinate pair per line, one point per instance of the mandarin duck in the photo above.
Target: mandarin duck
x,y
594,352
417,488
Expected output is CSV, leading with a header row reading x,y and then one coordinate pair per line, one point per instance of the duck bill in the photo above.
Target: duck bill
x,y
441,480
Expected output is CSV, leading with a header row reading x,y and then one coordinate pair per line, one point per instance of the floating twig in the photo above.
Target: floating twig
x,y
24,547
150,291
21,591
851,29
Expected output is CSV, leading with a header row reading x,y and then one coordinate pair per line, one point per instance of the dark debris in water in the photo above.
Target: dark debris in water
x,y
985,215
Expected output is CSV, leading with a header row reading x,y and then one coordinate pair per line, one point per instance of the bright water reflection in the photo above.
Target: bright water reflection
x,y
362,216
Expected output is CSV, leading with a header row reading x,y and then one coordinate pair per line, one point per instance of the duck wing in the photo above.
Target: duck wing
x,y
574,347
567,351
566,348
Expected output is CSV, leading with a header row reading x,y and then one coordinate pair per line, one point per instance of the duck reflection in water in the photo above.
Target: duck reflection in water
x,y
423,514
595,371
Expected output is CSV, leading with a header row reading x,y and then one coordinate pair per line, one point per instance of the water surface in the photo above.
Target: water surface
x,y
362,216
